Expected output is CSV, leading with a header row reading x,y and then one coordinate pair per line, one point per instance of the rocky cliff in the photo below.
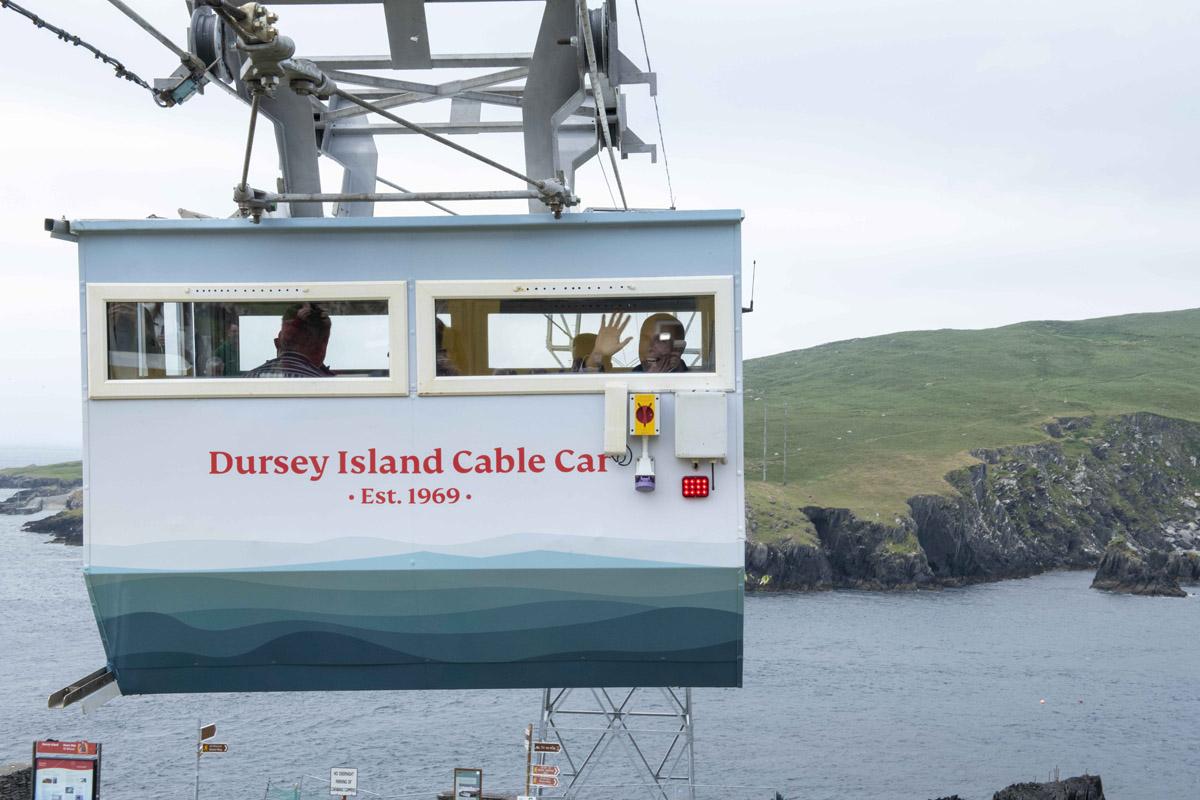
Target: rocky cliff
x,y
33,487
1084,787
1127,567
22,501
40,485
16,781
66,525
1020,511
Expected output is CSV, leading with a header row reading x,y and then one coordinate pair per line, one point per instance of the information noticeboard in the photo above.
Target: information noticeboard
x,y
468,783
343,781
66,770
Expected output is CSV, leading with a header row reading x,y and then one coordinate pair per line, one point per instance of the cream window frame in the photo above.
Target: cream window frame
x,y
101,387
720,288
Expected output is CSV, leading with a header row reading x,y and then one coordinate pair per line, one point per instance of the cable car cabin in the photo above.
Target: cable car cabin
x,y
468,452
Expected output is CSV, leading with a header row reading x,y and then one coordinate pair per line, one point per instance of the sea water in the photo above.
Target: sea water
x,y
901,696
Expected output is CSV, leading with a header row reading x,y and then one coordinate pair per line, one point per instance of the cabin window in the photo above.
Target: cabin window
x,y
573,336
281,339
260,340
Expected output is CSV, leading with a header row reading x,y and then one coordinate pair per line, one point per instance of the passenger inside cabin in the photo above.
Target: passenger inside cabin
x,y
224,360
661,345
301,345
604,344
582,348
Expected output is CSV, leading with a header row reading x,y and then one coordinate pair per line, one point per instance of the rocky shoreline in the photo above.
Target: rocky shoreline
x,y
35,494
1120,495
1128,568
65,527
1083,787
15,781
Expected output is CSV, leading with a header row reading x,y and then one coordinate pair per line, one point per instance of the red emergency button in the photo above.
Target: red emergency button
x,y
695,486
644,414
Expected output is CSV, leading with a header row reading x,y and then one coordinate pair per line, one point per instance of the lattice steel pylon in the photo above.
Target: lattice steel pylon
x,y
568,91
652,726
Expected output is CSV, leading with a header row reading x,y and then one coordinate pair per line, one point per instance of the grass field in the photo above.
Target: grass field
x,y
67,471
871,422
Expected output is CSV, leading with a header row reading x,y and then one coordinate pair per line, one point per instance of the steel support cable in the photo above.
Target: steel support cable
x,y
662,142
187,58
598,95
150,29
541,186
607,185
400,188
121,70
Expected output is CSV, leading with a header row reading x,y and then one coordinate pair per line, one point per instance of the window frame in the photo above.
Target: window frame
x,y
102,387
719,287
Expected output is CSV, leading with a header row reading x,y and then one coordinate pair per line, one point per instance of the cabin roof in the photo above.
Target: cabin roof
x,y
476,222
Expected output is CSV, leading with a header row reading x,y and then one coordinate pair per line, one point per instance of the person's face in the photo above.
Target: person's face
x,y
666,349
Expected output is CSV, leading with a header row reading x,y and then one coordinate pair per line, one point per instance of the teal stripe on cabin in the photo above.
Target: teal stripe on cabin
x,y
533,559
398,593
373,628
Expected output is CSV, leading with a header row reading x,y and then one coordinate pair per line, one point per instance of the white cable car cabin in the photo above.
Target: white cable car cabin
x,y
394,453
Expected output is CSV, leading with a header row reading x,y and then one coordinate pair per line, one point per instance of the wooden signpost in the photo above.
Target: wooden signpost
x,y
539,774
206,732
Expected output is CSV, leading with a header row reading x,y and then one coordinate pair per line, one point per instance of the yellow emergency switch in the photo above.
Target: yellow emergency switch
x,y
643,414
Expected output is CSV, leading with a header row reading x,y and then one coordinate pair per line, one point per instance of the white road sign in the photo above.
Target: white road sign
x,y
343,781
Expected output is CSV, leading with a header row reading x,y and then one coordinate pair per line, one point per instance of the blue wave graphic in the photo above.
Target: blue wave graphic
x,y
421,628
425,560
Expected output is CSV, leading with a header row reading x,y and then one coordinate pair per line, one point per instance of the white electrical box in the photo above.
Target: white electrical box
x,y
701,425
616,408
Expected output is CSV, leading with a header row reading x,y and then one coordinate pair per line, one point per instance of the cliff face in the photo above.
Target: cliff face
x,y
22,501
1085,787
1131,569
66,525
31,489
1126,569
783,550
870,555
787,566
42,486
1021,511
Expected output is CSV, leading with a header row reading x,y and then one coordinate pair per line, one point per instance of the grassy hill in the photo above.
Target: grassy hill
x,y
66,471
871,422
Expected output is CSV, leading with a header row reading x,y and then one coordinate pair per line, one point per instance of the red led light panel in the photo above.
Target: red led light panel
x,y
695,486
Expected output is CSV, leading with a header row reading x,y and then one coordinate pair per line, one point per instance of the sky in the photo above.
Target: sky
x,y
915,165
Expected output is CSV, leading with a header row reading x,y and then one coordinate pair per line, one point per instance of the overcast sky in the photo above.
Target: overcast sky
x,y
901,165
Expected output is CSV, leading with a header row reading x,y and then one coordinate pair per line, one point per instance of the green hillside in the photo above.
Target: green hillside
x,y
871,422
66,471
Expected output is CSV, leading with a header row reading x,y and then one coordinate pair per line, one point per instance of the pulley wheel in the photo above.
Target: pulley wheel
x,y
206,37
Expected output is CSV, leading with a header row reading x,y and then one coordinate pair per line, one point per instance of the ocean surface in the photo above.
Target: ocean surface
x,y
858,695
